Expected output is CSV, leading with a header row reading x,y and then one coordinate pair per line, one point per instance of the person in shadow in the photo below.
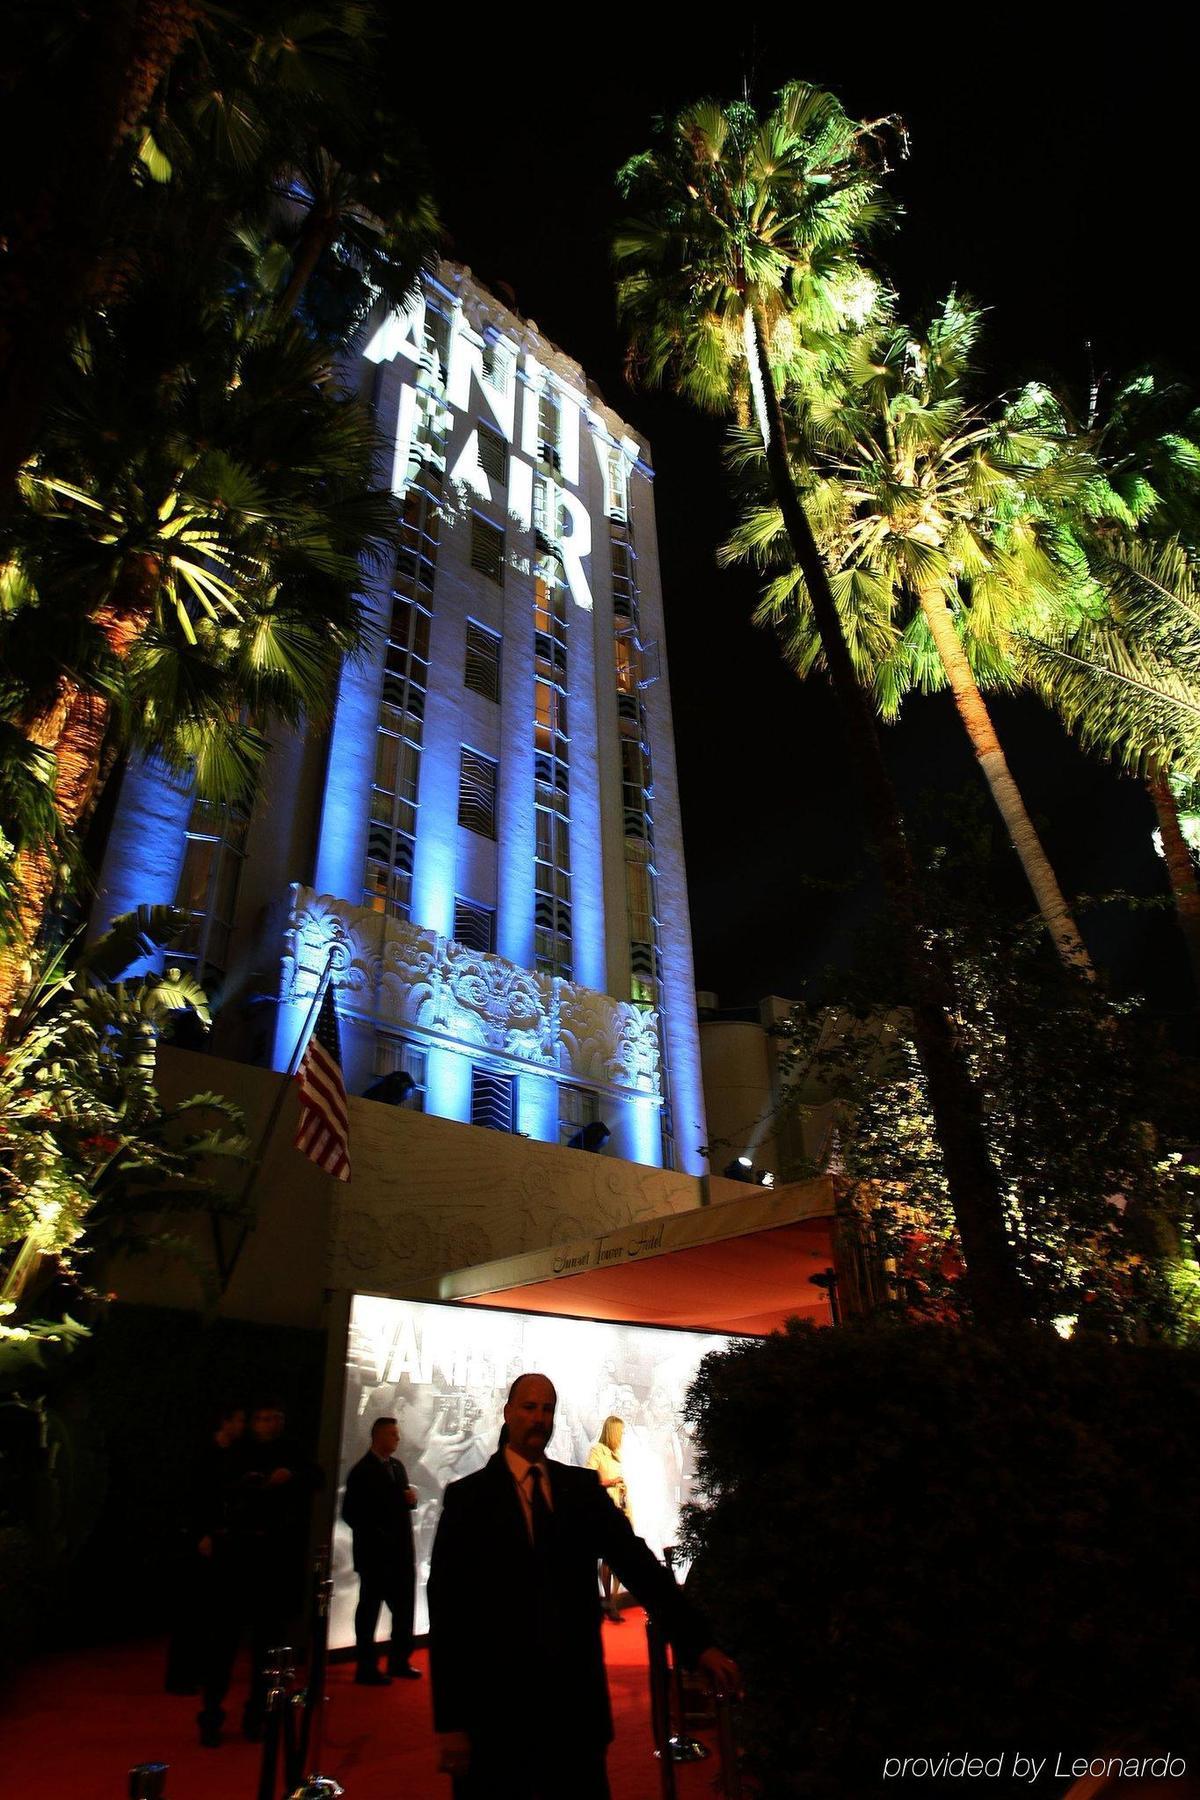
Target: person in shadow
x,y
203,1509
378,1507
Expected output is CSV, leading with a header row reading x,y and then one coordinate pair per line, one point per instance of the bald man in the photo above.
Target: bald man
x,y
520,1698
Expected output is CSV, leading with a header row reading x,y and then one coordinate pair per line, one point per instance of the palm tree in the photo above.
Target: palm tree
x,y
1125,676
741,269
201,497
191,550
928,520
1120,661
87,1139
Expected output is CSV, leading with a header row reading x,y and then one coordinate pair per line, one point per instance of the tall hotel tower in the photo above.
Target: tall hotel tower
x,y
485,849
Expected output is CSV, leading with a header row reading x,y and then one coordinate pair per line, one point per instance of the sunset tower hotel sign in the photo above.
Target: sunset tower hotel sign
x,y
485,843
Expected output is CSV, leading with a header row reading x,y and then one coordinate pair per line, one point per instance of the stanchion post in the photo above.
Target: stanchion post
x,y
148,1781
312,1722
279,1672
682,1747
731,1771
660,1716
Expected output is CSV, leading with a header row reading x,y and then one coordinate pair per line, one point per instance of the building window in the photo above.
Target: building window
x,y
477,793
616,485
437,340
388,884
482,674
550,623
418,541
547,516
475,926
214,851
387,878
550,427
493,1099
487,549
624,586
552,894
577,1107
394,1054
496,366
550,718
493,455
636,789
641,899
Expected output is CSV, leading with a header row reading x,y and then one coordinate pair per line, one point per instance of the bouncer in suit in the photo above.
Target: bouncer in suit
x,y
378,1507
519,1691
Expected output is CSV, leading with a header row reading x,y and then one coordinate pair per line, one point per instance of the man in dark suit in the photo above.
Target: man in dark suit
x,y
520,1699
378,1509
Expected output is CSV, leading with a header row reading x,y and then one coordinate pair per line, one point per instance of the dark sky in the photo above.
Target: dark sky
x,y
1053,184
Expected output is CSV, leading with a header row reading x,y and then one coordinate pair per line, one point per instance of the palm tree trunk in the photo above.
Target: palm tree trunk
x,y
992,1281
73,726
1181,869
977,722
316,235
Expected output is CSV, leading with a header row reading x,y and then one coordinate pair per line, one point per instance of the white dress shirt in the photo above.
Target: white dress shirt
x,y
519,1469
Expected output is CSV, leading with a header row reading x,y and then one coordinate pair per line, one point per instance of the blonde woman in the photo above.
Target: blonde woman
x,y
605,1457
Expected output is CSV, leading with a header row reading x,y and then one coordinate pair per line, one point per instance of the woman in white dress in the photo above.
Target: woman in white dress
x,y
605,1457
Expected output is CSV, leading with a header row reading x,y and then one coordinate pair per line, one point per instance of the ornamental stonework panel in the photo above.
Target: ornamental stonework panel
x,y
396,974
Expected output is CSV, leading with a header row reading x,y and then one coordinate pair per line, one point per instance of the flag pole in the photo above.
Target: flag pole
x,y
225,1268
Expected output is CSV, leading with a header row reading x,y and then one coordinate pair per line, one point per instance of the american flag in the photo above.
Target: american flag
x,y
324,1129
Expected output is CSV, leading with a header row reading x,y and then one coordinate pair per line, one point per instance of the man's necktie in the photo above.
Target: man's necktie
x,y
539,1511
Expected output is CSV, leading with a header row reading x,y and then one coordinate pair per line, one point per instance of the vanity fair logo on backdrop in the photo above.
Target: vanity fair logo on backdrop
x,y
443,1372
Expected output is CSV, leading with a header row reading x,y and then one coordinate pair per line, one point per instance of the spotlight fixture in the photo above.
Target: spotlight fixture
x,y
740,1169
391,1089
592,1136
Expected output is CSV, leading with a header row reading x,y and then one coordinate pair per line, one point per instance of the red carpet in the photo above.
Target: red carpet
x,y
75,1724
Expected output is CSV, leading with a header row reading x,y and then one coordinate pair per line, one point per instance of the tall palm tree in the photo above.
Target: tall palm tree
x,y
928,518
191,547
742,268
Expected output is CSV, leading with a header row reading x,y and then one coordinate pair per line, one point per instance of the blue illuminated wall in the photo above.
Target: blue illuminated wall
x,y
455,364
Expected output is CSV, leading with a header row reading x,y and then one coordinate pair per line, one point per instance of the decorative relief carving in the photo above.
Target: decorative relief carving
x,y
401,974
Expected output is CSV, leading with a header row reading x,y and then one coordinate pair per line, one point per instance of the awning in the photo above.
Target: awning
x,y
740,1265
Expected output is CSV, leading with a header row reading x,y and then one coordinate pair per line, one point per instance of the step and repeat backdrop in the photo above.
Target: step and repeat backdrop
x,y
443,1372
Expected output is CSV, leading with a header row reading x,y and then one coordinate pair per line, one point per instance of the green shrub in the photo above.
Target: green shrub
x,y
918,1540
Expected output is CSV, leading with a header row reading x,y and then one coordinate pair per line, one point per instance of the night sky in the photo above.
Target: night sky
x,y
1054,185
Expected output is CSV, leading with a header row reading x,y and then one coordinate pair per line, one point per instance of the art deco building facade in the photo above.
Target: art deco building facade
x,y
485,848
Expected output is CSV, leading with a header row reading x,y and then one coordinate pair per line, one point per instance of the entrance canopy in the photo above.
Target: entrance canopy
x,y
740,1265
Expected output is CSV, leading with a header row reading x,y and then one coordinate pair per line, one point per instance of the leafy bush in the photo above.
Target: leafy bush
x,y
917,1540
